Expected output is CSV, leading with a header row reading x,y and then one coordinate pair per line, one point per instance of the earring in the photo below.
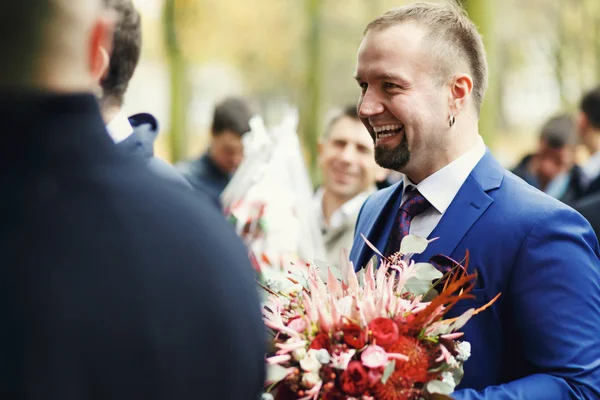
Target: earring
x,y
452,120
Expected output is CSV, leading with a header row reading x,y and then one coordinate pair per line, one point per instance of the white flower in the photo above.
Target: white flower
x,y
464,351
448,378
342,360
299,354
310,379
323,356
266,396
310,363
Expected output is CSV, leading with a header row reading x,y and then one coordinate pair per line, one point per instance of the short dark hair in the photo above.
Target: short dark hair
x,y
127,46
559,131
350,111
232,114
23,27
590,105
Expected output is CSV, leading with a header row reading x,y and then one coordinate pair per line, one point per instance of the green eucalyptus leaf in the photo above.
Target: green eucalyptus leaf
x,y
427,272
417,286
412,244
388,371
439,387
463,319
275,373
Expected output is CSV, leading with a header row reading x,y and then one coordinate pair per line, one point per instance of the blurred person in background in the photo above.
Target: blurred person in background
x,y
589,131
552,167
213,170
349,170
588,127
115,284
135,135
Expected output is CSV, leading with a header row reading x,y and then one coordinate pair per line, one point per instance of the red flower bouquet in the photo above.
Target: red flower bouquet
x,y
370,338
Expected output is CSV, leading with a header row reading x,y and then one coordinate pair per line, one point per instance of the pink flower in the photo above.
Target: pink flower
x,y
298,324
374,357
374,375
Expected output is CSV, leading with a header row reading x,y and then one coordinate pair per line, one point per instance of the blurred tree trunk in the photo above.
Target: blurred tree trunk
x,y
311,102
481,13
178,83
559,52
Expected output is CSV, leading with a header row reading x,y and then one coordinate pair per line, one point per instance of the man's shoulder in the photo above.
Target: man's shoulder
x,y
134,190
166,171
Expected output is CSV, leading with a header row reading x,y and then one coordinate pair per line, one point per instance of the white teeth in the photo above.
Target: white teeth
x,y
392,128
384,128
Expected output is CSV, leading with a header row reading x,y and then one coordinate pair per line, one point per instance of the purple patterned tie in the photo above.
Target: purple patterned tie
x,y
413,205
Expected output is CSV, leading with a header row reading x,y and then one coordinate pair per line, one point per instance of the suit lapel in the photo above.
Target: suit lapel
x,y
379,223
471,201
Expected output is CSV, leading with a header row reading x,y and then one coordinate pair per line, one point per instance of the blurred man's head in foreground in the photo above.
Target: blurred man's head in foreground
x,y
53,45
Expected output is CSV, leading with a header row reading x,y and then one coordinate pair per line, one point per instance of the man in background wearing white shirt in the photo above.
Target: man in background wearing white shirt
x,y
349,173
135,135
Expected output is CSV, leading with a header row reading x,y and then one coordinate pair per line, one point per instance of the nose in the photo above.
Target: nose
x,y
348,154
369,105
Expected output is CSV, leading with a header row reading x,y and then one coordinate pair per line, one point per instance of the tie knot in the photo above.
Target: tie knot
x,y
415,203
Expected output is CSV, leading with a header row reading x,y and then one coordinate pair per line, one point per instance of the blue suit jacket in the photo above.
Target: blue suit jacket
x,y
541,339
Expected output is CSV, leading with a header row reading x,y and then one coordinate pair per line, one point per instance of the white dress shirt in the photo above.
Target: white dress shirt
x,y
339,216
119,128
441,188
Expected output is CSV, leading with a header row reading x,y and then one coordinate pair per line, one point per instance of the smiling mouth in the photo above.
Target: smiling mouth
x,y
387,131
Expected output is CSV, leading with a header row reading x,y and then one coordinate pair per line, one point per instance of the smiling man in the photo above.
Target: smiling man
x,y
422,72
349,174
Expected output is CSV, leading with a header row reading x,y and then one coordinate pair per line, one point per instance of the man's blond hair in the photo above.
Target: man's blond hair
x,y
452,35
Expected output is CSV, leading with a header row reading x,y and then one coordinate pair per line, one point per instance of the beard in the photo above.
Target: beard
x,y
395,158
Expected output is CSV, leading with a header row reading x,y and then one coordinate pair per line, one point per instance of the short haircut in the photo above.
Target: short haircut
x,y
559,131
452,36
232,114
127,46
590,105
349,111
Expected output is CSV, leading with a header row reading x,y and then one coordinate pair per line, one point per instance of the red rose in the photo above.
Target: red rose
x,y
354,380
384,331
321,341
354,336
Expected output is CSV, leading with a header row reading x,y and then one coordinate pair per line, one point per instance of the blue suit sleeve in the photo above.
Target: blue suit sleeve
x,y
554,297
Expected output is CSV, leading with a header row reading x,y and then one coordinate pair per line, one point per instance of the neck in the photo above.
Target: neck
x,y
331,203
460,140
109,112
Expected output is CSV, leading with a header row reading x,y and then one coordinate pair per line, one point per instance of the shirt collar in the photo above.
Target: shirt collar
x,y
338,217
119,128
441,187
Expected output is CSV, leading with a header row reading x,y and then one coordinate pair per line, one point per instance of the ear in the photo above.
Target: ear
x,y
320,147
461,87
101,46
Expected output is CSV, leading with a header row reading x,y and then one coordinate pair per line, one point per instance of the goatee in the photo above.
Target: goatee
x,y
395,158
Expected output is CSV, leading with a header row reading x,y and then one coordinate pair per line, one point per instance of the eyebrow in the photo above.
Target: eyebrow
x,y
387,77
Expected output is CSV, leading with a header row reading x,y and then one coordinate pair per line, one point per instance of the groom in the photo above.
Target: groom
x,y
422,71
